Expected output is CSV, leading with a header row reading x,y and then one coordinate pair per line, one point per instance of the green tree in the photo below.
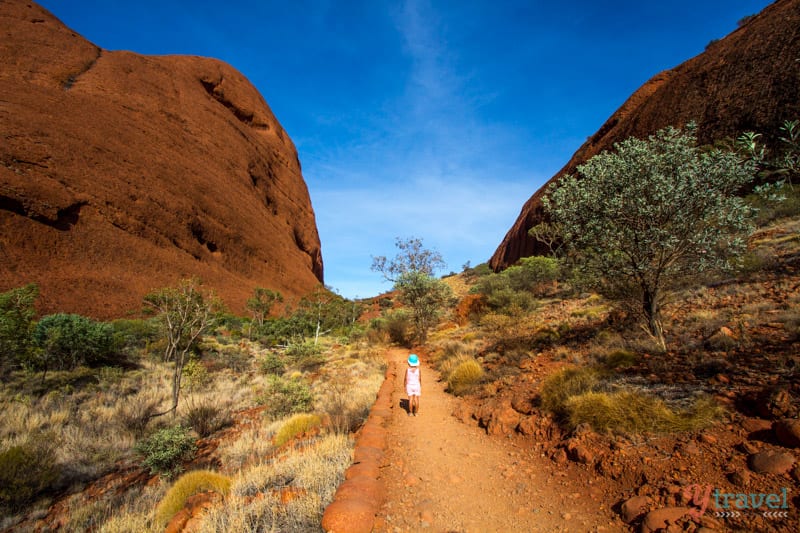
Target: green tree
x,y
185,313
69,340
426,296
17,320
412,257
261,303
652,214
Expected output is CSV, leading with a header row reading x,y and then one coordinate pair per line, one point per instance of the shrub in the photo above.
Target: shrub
x,y
134,334
532,273
165,449
400,327
70,340
187,485
298,424
559,387
272,364
634,412
620,359
305,355
286,396
207,419
464,376
195,376
17,322
27,469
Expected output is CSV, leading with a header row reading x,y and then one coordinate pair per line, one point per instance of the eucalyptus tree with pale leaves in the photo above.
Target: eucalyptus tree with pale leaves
x,y
641,219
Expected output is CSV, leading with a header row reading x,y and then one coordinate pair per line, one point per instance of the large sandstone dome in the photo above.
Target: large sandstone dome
x,y
122,173
748,81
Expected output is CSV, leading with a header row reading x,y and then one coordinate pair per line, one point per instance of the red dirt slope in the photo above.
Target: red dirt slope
x,y
748,81
122,173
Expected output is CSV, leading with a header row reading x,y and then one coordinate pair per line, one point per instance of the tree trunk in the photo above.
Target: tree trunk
x,y
652,313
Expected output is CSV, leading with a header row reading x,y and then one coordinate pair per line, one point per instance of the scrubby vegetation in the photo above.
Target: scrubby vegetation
x,y
548,336
107,396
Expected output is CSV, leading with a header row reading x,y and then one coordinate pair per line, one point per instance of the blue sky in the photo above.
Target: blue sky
x,y
425,118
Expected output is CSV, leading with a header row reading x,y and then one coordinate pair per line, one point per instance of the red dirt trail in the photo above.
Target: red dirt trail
x,y
442,475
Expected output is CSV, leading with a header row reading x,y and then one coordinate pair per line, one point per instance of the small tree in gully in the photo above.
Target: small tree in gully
x,y
651,214
412,271
413,257
185,313
426,296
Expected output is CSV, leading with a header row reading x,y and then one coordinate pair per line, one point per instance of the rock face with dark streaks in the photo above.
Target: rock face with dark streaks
x,y
122,173
748,81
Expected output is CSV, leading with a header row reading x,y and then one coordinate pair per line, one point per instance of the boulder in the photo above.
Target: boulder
x,y
579,452
771,462
788,432
633,508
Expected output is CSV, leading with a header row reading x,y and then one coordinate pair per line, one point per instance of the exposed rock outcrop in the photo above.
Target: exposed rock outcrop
x,y
748,81
122,173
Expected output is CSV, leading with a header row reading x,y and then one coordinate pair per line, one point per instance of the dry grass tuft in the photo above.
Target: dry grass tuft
x,y
188,485
296,425
464,376
566,383
313,473
632,412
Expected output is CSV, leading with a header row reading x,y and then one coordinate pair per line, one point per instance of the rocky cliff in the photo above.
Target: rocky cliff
x,y
750,80
122,173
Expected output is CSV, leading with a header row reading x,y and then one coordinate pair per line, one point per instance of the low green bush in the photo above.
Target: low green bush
x,y
400,327
26,470
272,364
305,355
166,449
286,396
69,340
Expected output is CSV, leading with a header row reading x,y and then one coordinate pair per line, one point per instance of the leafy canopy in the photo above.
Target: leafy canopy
x,y
653,213
412,257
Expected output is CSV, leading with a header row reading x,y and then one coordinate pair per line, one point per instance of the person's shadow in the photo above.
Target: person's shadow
x,y
404,405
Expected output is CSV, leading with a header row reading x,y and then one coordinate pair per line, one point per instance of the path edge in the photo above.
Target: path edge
x,y
359,497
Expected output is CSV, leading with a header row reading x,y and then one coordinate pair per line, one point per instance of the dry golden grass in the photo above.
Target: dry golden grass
x,y
313,473
188,485
296,425
464,376
633,412
566,383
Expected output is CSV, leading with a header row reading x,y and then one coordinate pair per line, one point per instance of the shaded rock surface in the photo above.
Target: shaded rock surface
x,y
122,173
747,81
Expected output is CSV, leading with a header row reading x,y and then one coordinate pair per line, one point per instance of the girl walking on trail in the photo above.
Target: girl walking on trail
x,y
413,384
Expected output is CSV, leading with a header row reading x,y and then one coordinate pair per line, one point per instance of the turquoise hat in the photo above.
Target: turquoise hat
x,y
413,360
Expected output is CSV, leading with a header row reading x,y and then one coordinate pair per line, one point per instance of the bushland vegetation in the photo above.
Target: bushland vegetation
x,y
627,307
82,399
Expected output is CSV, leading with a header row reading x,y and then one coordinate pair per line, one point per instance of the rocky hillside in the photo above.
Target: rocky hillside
x,y
122,173
750,80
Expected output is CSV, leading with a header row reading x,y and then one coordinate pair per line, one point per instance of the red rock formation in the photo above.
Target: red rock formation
x,y
122,173
750,80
